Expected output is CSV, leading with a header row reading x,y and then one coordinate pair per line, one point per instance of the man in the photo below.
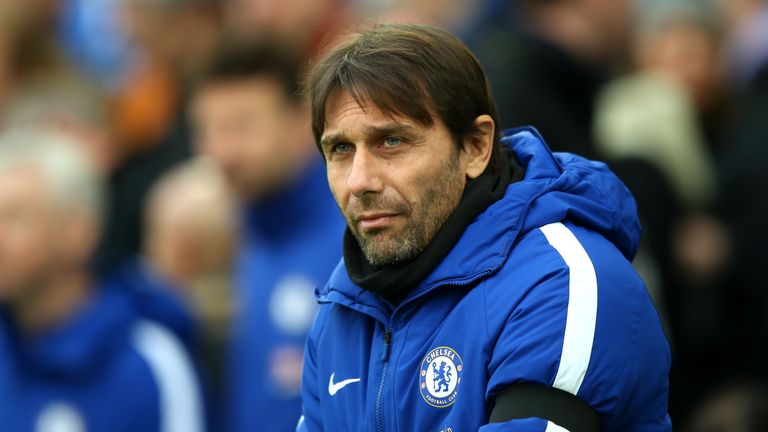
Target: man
x,y
74,354
485,282
251,122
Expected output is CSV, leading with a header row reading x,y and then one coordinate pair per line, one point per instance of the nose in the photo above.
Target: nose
x,y
364,174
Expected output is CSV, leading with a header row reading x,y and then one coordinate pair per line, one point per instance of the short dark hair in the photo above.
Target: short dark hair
x,y
410,70
237,60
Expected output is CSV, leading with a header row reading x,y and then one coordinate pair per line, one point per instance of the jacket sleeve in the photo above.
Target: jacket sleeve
x,y
585,325
528,349
310,420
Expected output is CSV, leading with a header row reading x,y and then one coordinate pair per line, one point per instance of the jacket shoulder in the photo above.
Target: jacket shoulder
x,y
585,319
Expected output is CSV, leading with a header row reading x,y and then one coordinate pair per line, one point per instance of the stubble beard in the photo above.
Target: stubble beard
x,y
384,248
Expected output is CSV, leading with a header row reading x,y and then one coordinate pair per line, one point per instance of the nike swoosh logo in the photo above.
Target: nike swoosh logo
x,y
335,387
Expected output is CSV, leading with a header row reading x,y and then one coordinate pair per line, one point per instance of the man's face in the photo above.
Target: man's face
x,y
395,180
250,128
28,231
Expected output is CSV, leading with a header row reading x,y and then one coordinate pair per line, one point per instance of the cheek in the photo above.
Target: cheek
x,y
418,182
263,147
25,248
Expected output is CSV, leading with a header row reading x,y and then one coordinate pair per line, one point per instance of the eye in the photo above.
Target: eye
x,y
341,148
392,141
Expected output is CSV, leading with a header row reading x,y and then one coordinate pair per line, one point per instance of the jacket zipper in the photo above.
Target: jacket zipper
x,y
388,345
384,370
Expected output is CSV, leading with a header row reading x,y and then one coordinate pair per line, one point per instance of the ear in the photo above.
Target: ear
x,y
478,147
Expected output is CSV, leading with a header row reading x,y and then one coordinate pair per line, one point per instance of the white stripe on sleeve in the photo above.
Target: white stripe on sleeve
x,y
582,308
551,427
181,408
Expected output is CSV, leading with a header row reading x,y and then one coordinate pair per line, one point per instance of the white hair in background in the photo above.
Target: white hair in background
x,y
72,180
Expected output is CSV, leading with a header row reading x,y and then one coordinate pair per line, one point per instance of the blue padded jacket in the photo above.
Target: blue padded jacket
x,y
538,289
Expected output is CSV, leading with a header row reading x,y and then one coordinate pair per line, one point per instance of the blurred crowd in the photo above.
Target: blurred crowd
x,y
161,195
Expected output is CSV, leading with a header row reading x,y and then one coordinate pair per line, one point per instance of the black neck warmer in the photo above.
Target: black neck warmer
x,y
393,282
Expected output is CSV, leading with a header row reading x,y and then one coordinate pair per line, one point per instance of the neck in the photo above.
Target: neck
x,y
51,302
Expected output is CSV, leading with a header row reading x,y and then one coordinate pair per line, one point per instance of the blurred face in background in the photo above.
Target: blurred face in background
x,y
191,223
689,53
253,131
36,238
614,19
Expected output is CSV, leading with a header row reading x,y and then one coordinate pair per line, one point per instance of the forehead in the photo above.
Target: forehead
x,y
343,112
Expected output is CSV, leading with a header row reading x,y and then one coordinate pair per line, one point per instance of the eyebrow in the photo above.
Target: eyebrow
x,y
368,132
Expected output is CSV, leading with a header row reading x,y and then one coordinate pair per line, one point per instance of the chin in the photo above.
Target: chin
x,y
396,251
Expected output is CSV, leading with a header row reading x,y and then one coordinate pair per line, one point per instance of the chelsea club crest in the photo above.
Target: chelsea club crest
x,y
440,376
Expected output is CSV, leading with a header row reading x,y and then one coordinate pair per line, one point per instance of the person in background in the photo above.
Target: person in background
x,y
190,243
74,353
554,55
66,106
249,118
655,127
743,200
150,120
654,113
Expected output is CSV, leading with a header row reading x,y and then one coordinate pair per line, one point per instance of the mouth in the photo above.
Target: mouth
x,y
376,220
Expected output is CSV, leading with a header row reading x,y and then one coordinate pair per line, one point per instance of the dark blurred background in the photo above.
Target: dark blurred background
x,y
190,111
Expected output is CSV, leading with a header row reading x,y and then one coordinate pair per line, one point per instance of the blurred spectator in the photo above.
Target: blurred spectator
x,y
547,61
74,354
649,127
189,249
653,114
250,120
744,198
300,26
651,117
68,107
191,230
154,102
